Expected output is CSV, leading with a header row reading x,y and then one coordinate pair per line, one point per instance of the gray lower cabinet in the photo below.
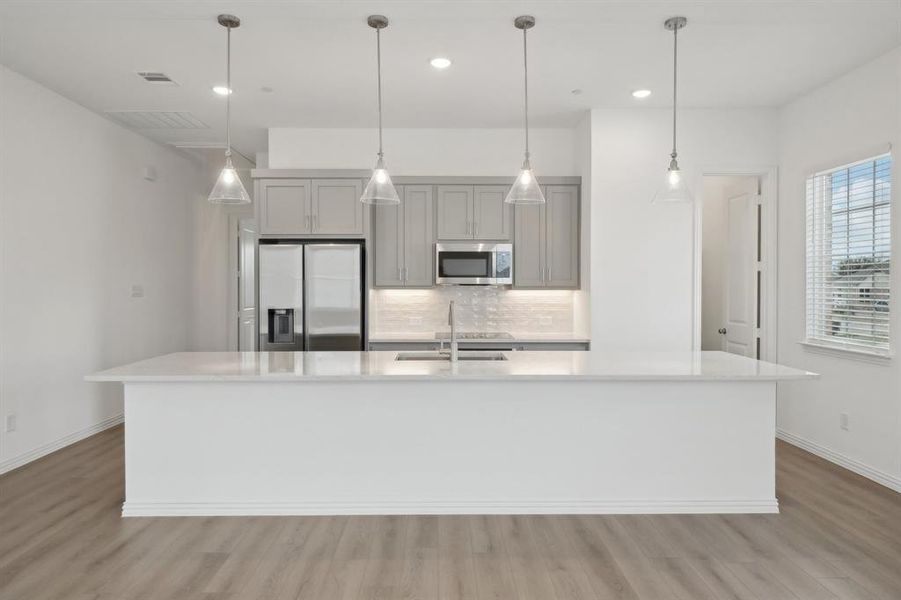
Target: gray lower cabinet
x,y
479,212
404,238
546,241
309,206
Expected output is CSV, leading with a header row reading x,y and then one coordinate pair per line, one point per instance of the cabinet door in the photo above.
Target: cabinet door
x,y
419,236
454,212
284,206
529,246
562,236
388,231
492,216
337,209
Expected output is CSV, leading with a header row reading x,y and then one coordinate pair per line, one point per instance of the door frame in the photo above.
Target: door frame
x,y
769,232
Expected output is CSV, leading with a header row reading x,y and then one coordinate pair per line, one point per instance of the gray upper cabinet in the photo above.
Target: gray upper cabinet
x,y
562,216
455,212
479,212
419,236
336,207
492,217
283,206
404,238
309,206
546,241
388,241
528,247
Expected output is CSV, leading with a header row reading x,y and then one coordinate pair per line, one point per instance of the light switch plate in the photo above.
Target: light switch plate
x,y
11,422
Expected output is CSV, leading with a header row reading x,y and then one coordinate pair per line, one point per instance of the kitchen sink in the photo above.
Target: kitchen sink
x,y
439,356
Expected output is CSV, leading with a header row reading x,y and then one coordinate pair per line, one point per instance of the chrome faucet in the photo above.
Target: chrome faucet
x,y
452,321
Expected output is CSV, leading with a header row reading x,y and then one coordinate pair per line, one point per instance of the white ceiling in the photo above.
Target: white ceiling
x,y
319,57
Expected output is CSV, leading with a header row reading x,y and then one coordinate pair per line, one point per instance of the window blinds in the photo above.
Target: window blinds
x,y
849,256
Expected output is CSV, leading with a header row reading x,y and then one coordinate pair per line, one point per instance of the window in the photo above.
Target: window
x,y
849,256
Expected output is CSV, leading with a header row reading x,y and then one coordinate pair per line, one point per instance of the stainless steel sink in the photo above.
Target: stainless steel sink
x,y
438,356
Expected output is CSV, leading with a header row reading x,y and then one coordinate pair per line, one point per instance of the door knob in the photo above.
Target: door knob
x,y
721,331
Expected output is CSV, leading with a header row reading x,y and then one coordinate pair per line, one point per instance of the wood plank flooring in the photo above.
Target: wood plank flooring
x,y
61,538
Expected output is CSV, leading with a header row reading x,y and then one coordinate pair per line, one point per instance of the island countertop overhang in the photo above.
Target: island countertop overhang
x,y
382,366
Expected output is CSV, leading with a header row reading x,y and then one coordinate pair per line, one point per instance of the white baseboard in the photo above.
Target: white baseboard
x,y
184,509
880,477
41,451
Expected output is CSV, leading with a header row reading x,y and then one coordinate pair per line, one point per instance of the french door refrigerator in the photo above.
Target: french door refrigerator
x,y
311,295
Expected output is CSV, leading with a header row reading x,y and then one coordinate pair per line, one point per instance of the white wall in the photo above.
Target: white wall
x,y
78,226
853,117
424,151
642,254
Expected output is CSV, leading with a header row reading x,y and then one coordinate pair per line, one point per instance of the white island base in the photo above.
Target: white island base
x,y
567,434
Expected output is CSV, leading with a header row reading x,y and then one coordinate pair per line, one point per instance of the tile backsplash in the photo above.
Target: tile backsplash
x,y
477,308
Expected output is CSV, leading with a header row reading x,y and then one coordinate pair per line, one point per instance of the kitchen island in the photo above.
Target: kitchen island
x,y
313,433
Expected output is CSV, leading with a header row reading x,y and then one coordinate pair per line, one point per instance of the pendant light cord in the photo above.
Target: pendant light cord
x,y
378,52
525,64
675,76
228,86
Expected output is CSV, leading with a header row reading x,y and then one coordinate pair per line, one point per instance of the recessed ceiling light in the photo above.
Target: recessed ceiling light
x,y
440,62
641,93
222,90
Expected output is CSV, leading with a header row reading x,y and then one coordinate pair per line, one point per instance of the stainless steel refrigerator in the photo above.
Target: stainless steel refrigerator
x,y
311,295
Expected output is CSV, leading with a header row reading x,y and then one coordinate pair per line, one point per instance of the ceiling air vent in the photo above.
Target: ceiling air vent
x,y
147,119
156,77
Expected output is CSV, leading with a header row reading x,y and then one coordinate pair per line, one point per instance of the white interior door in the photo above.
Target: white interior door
x,y
740,298
246,314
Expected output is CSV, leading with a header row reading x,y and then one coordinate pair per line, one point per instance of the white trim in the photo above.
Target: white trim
x,y
881,477
41,451
511,507
870,356
768,177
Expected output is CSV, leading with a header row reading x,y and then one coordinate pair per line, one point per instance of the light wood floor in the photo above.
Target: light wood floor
x,y
61,537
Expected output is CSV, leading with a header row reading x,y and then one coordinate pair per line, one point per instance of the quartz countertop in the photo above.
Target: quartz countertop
x,y
522,337
382,366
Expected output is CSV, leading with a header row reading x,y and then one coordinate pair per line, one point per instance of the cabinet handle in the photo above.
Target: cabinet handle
x,y
315,222
475,228
308,223
406,274
550,274
400,274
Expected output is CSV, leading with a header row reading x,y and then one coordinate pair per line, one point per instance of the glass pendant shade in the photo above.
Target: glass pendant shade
x,y
674,188
525,189
380,190
228,188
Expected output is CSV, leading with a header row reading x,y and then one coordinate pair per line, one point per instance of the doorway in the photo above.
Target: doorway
x,y
732,265
242,242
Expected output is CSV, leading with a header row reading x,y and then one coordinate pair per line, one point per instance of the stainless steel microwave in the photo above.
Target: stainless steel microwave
x,y
468,263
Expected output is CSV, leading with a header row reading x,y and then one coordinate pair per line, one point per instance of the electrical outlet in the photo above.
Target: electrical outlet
x,y
843,421
11,422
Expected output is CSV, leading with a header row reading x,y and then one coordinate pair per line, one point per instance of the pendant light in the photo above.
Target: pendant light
x,y
525,189
675,188
379,190
228,188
